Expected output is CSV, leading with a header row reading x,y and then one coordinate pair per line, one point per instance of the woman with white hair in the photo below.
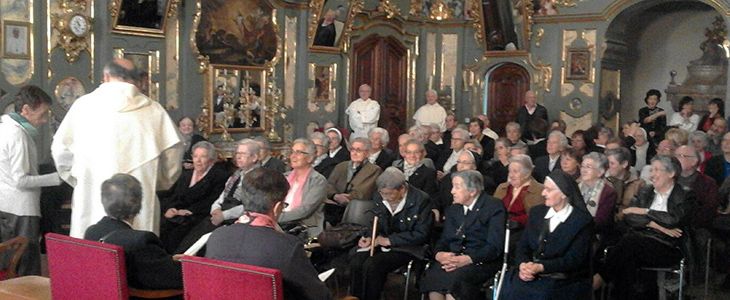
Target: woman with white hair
x,y
520,193
599,195
700,141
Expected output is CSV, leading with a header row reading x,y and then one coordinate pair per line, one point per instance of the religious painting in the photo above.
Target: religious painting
x,y
236,98
331,22
67,91
579,64
142,17
16,39
501,24
322,93
237,32
545,7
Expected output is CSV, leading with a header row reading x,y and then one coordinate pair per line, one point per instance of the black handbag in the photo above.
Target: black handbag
x,y
342,236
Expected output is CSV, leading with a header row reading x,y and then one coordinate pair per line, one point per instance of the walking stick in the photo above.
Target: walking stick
x,y
372,236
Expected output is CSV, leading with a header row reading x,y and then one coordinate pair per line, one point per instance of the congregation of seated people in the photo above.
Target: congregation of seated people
x,y
585,210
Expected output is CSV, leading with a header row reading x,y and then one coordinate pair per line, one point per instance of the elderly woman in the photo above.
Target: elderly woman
x,y
553,256
149,266
469,250
658,217
521,192
699,140
467,160
513,132
570,162
308,191
188,202
599,195
497,166
321,143
404,224
579,143
626,183
186,126
417,173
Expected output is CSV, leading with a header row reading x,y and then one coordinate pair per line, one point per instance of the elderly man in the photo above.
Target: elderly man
x,y
432,112
335,153
229,205
513,130
149,266
20,184
363,113
531,110
556,143
718,129
116,129
704,187
255,239
448,159
265,158
450,124
353,179
380,156
717,167
404,225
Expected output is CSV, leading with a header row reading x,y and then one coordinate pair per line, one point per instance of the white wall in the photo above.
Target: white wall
x,y
668,43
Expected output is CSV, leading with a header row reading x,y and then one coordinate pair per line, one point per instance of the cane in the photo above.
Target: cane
x,y
372,236
505,260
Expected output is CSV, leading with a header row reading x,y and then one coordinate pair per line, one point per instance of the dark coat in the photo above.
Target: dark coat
x,y
265,247
424,178
715,168
409,229
328,164
524,118
385,158
188,156
148,265
659,125
479,233
275,164
541,169
487,147
197,198
433,151
678,214
565,250
630,142
708,200
538,149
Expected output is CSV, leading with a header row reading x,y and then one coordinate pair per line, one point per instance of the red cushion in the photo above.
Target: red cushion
x,y
81,269
206,278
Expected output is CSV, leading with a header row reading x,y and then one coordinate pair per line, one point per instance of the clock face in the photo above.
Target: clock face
x,y
79,25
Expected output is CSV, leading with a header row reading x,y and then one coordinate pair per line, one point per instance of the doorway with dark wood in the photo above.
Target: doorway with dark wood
x,y
382,62
506,86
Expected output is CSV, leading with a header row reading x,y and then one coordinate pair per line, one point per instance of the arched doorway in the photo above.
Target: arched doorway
x,y
506,86
382,62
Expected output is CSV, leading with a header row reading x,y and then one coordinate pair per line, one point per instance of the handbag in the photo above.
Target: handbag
x,y
342,236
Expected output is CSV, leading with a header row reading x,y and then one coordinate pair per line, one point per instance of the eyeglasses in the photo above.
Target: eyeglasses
x,y
299,152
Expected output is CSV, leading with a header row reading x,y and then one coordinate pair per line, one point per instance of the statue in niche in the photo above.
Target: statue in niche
x,y
713,52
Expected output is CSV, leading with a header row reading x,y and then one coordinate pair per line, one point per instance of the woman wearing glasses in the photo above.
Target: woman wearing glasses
x,y
306,196
598,194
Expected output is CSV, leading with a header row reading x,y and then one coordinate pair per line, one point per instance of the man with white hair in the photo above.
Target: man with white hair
x,y
531,110
363,113
431,112
556,143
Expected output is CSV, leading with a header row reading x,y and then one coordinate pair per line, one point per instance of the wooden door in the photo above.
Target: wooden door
x,y
507,85
382,62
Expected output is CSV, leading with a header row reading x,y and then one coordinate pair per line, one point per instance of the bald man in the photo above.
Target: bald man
x,y
116,129
363,113
529,111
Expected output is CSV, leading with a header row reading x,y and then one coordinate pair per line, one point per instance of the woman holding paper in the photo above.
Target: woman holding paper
x,y
401,234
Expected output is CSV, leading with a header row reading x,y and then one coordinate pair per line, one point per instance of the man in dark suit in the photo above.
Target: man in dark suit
x,y
378,155
149,266
531,110
265,158
556,143
256,241
336,153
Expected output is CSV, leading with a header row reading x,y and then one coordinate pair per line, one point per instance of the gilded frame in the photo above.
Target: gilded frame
x,y
224,93
578,64
148,65
21,26
117,12
317,12
475,12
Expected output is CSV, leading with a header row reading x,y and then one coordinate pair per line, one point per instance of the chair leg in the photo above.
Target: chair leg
x,y
408,280
681,279
707,266
660,282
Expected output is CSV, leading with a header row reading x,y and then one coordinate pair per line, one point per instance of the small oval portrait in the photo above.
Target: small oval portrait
x,y
68,90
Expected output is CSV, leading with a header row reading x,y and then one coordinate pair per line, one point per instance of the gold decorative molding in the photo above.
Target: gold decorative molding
x,y
115,11
73,25
474,12
416,8
538,36
543,76
440,11
315,11
203,61
390,9
566,3
612,10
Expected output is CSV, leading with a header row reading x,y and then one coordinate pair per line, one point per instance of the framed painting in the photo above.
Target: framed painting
x,y
142,17
145,65
236,33
236,98
579,64
501,26
16,39
331,23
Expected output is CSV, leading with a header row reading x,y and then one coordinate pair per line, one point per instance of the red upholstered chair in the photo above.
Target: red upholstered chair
x,y
17,246
81,269
206,278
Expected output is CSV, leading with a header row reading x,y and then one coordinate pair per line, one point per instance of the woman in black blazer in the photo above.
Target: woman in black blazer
x,y
553,255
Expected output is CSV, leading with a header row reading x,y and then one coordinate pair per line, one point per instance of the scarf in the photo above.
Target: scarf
x,y
29,128
257,219
592,195
408,170
296,181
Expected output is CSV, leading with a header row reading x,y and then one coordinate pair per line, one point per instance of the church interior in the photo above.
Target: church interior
x,y
277,70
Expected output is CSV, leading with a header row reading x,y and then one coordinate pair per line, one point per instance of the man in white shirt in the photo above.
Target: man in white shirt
x,y
20,184
363,113
431,112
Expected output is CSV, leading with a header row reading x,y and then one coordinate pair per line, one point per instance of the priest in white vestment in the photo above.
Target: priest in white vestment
x,y
116,129
363,113
432,112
